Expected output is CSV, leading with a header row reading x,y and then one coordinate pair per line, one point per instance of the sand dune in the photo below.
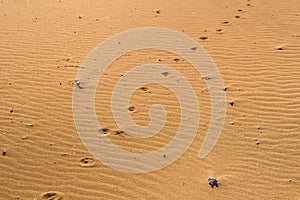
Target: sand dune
x,y
256,46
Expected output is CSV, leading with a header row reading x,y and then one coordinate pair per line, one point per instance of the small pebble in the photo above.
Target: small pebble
x,y
165,73
131,108
144,88
103,130
118,132
213,182
29,125
78,84
232,123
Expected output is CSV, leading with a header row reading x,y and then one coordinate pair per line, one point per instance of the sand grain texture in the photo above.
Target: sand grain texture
x,y
256,46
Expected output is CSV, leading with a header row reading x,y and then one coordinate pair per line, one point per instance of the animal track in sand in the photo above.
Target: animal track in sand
x,y
52,195
87,162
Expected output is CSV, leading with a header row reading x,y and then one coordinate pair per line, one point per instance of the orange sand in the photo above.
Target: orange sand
x,y
42,45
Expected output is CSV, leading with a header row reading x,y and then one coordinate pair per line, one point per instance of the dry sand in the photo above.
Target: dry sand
x,y
256,46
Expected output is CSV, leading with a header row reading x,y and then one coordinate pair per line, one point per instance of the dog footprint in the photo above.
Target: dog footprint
x,y
87,162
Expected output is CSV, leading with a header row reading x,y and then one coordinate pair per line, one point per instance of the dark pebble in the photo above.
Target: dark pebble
x,y
131,108
203,38
103,130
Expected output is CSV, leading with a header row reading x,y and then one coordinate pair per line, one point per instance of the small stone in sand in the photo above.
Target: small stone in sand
x,y
78,84
131,108
29,125
176,59
203,38
213,182
144,88
103,130
165,73
118,132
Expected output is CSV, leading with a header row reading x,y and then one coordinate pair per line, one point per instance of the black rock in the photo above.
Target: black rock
x,y
213,182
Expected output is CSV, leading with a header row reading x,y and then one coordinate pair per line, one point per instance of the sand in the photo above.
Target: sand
x,y
256,46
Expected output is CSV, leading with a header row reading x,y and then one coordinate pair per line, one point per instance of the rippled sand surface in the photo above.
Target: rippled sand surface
x,y
256,47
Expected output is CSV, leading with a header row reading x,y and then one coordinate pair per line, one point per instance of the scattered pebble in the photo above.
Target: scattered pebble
x,y
11,111
4,153
194,48
103,130
213,182
24,137
118,132
158,11
78,84
232,123
165,73
237,16
144,88
231,103
280,48
29,125
176,59
203,38
131,108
